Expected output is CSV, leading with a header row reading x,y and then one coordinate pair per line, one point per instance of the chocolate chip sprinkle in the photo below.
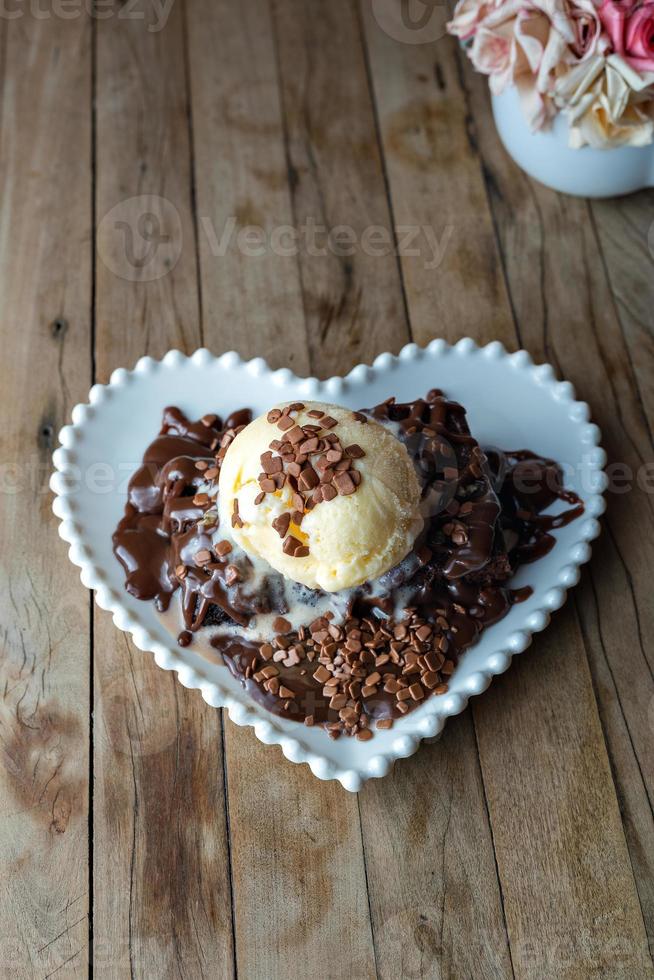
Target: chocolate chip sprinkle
x,y
312,462
353,660
281,524
236,520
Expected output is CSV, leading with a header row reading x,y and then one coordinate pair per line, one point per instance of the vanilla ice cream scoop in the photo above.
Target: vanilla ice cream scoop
x,y
325,495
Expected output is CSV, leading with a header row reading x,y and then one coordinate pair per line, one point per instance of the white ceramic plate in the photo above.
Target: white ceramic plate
x,y
511,403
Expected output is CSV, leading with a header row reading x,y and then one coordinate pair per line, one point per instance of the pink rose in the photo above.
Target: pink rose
x,y
492,54
630,26
639,42
587,29
468,15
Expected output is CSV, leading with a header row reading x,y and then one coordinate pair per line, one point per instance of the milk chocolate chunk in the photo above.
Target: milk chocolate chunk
x,y
308,478
281,524
344,484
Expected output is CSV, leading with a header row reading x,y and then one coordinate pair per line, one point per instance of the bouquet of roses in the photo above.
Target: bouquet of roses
x,y
593,61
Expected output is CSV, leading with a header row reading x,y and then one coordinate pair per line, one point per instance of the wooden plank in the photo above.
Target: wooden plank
x,y
350,278
544,715
300,901
580,844
146,269
454,284
625,233
599,359
565,313
559,842
451,908
162,887
433,884
250,286
45,279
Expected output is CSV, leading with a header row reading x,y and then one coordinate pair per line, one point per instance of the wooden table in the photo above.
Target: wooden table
x,y
141,830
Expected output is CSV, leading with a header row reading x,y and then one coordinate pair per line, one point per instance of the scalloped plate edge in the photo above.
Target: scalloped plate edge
x,y
430,725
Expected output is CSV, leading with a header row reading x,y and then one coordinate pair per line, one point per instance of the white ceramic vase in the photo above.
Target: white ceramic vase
x,y
547,157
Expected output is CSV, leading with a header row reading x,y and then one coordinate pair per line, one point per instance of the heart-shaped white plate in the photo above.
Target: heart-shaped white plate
x,y
511,403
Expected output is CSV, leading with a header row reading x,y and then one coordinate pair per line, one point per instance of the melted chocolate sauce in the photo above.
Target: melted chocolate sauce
x,y
483,518
528,484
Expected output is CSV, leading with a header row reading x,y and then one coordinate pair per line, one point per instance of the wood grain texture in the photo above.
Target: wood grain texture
x,y
301,907
556,824
351,287
250,285
217,144
429,78
451,266
434,892
421,915
45,280
146,269
625,234
161,872
564,313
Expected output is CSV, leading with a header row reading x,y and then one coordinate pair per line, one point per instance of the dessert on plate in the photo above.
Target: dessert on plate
x,y
337,562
